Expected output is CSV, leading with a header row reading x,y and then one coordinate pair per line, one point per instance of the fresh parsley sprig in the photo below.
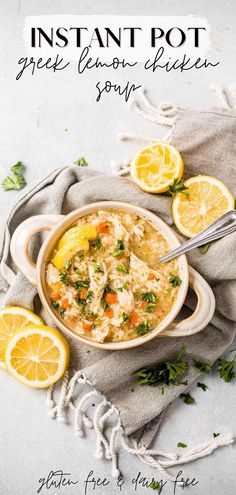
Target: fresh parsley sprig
x,y
202,366
81,162
226,369
164,373
15,180
178,187
188,399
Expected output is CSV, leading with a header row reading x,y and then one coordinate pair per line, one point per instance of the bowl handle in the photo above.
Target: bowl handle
x,y
203,312
21,238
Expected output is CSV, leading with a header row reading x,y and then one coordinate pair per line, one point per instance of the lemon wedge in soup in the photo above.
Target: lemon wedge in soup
x,y
74,240
88,232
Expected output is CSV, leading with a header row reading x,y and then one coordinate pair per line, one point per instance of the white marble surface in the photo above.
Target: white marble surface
x,y
34,115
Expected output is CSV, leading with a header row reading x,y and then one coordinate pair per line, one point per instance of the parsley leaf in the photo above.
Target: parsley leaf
x,y
154,485
143,328
125,317
204,248
187,398
97,244
216,435
150,308
63,277
16,179
178,187
226,369
203,386
81,162
121,267
175,281
149,297
97,267
164,373
181,445
81,283
55,304
120,247
202,366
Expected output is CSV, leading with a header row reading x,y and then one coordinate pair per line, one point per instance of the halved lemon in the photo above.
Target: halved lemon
x,y
88,232
12,319
155,167
68,250
208,199
37,356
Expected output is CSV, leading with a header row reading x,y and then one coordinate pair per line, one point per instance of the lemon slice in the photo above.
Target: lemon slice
x,y
88,232
208,199
154,168
37,356
12,319
68,250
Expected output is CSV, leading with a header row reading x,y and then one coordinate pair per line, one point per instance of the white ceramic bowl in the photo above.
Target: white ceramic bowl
x,y
58,224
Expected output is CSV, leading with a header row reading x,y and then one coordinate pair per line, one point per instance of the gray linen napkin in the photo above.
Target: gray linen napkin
x,y
206,141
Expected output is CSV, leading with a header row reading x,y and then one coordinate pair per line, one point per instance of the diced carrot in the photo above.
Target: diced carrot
x,y
103,228
65,304
55,296
111,298
87,326
143,304
151,276
109,313
83,293
133,319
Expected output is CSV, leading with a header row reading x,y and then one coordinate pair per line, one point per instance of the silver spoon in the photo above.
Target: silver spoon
x,y
220,228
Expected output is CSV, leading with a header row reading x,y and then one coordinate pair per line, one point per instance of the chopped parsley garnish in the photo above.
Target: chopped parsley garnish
x,y
67,265
178,187
58,308
108,288
202,366
88,314
55,304
15,179
89,296
188,399
104,304
150,308
125,317
164,373
175,280
181,445
216,435
204,249
149,297
122,268
203,386
226,369
97,244
76,269
63,277
62,313
120,247
143,328
154,485
97,267
81,283
81,162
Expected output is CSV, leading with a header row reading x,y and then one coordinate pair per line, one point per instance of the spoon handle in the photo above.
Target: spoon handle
x,y
220,228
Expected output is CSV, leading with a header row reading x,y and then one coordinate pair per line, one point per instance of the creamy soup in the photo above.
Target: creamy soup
x,y
104,281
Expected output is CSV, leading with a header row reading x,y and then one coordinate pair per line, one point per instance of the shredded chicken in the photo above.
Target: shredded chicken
x,y
97,285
